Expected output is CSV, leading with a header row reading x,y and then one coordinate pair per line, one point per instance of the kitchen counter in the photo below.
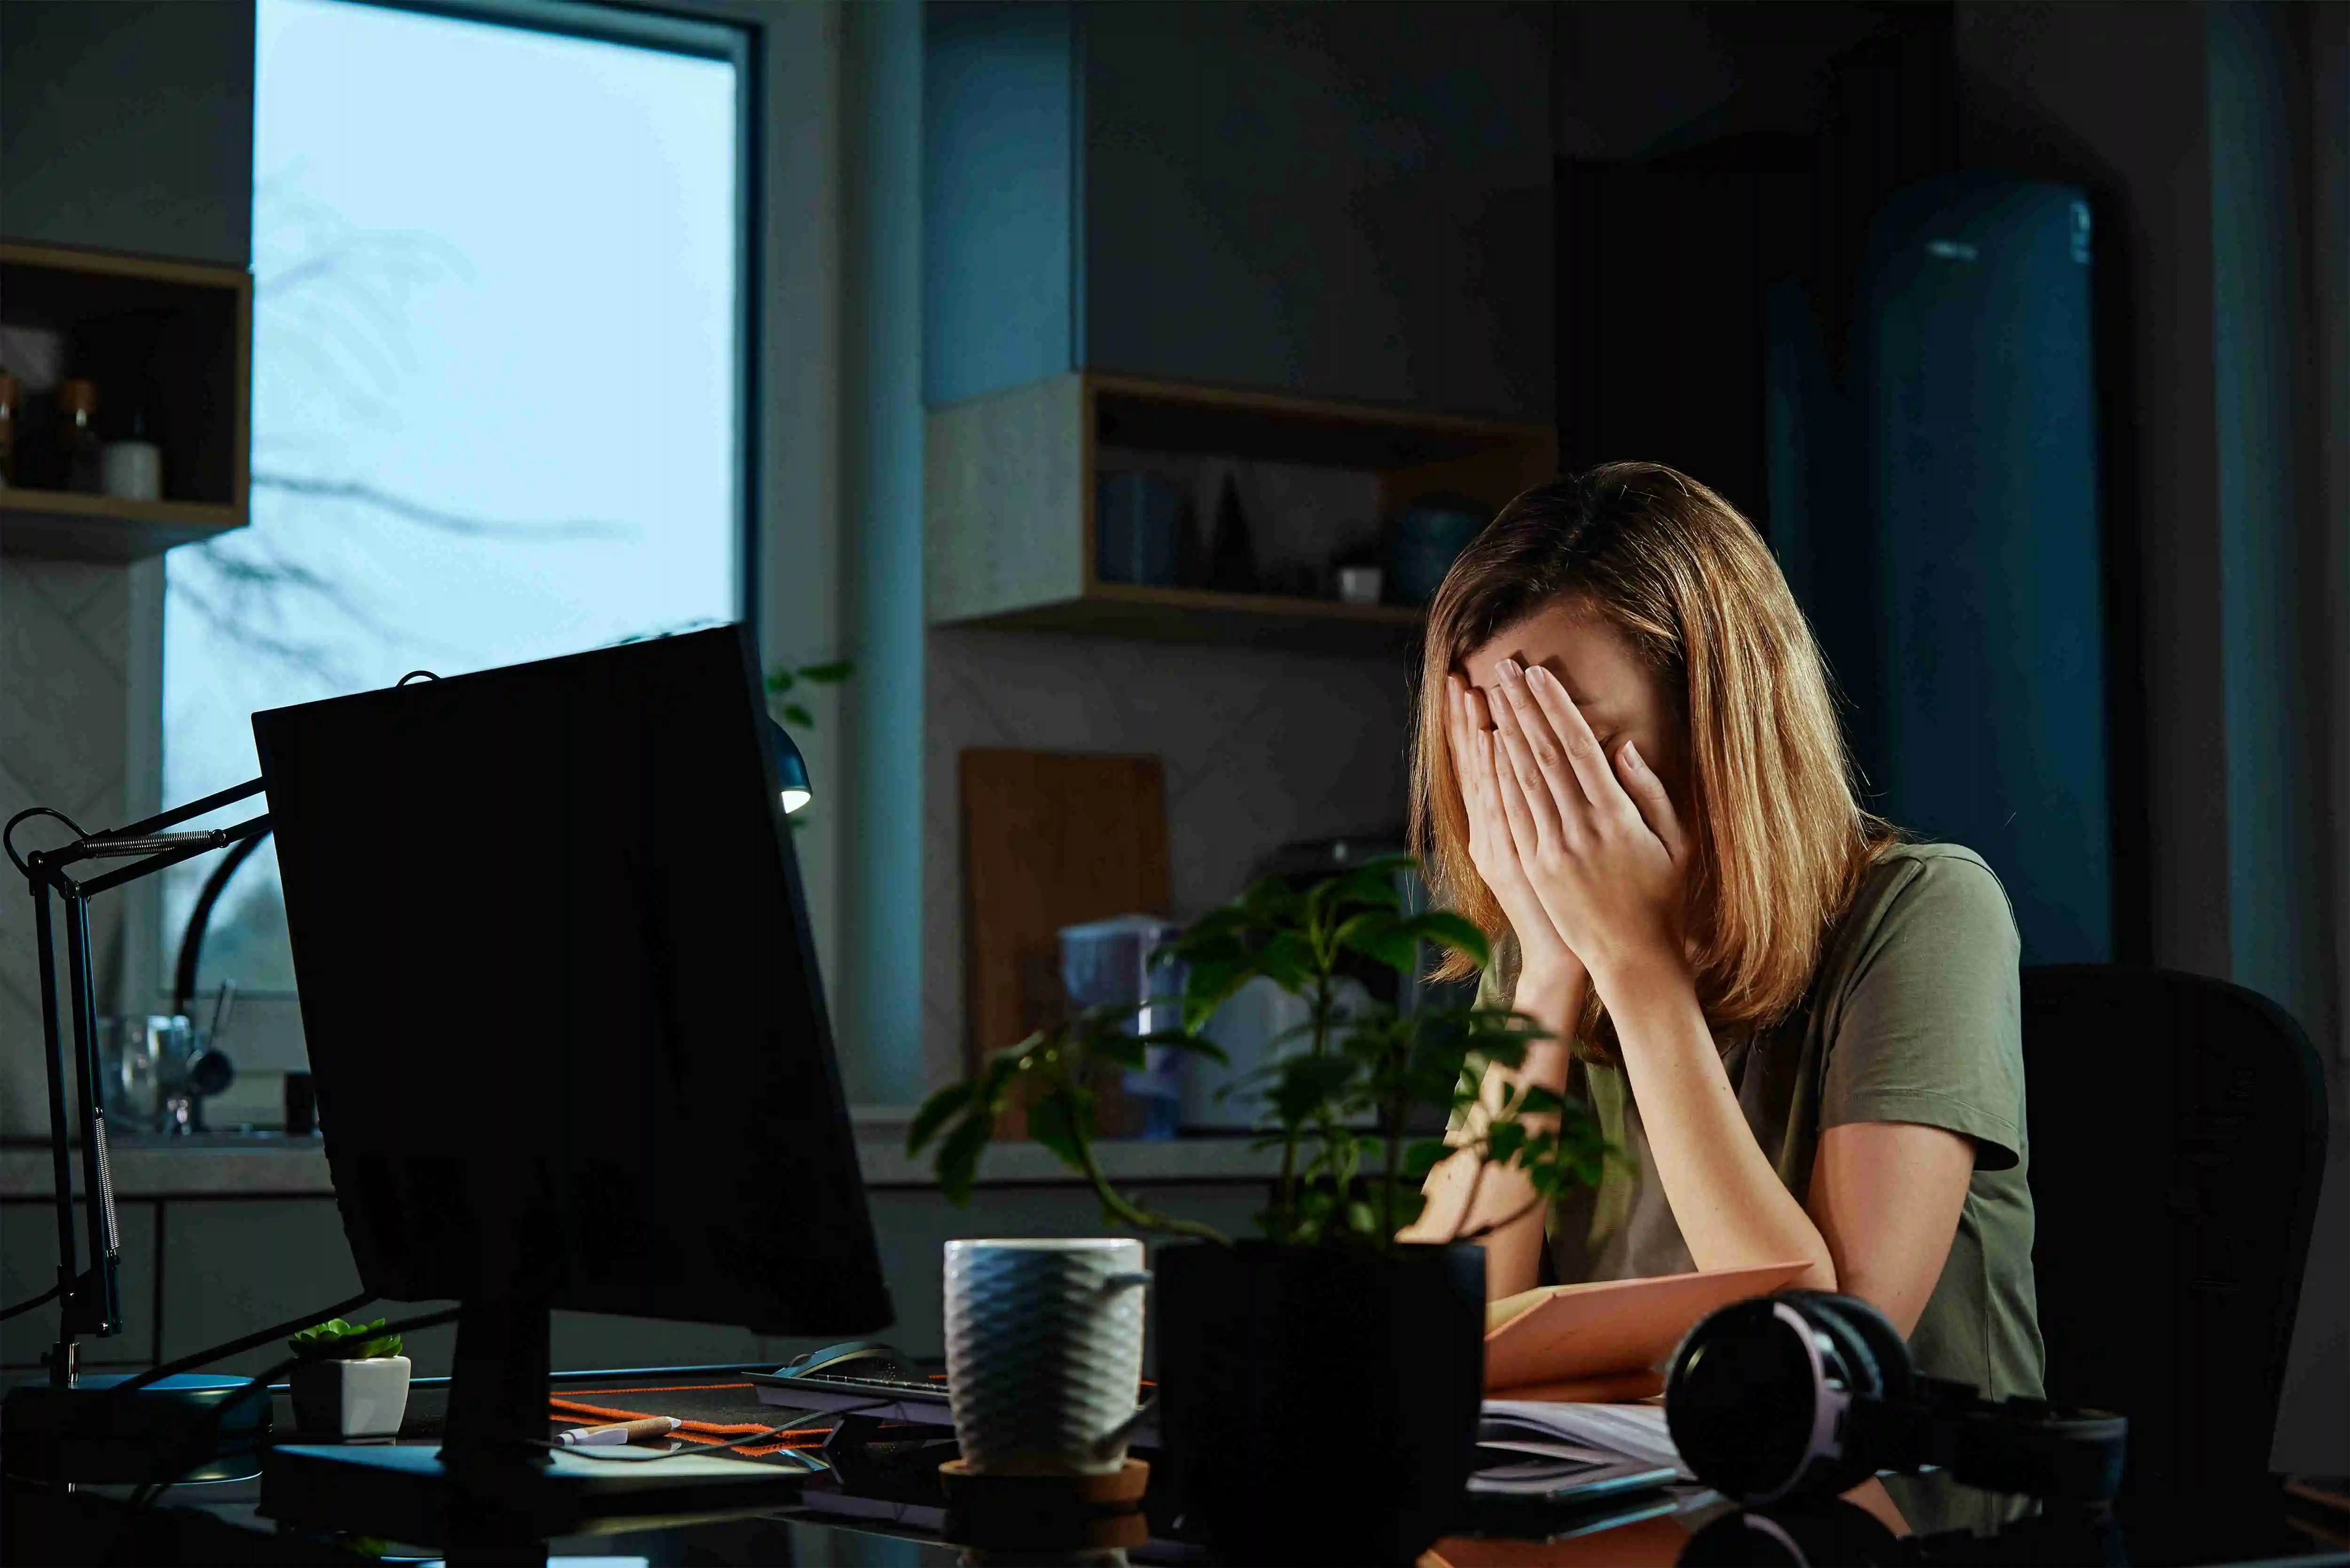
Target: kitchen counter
x,y
266,1165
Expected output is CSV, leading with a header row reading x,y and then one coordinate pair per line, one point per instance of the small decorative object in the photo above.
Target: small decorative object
x,y
1138,519
1044,1353
132,467
1267,1347
1360,585
80,454
1232,553
1425,541
351,1381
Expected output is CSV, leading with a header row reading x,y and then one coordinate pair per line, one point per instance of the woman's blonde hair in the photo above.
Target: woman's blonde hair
x,y
1779,838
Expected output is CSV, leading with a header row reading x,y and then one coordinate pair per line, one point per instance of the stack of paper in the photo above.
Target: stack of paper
x,y
1555,1436
1607,1339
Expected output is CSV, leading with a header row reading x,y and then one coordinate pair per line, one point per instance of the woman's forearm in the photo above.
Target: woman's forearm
x,y
1464,1194
1733,1210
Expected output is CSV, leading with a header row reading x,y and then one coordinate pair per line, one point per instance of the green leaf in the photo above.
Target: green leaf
x,y
1538,1101
957,1164
337,1340
934,1114
1183,1040
1377,934
831,674
1305,1083
1449,929
1124,1050
796,714
1209,985
1052,1121
1272,900
1372,885
779,681
1360,1219
1286,959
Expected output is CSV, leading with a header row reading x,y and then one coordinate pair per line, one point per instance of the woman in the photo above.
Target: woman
x,y
1801,1032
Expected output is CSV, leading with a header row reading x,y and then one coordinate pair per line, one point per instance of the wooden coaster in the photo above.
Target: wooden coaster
x,y
1046,1512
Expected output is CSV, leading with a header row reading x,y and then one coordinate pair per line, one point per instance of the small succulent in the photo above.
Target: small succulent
x,y
334,1340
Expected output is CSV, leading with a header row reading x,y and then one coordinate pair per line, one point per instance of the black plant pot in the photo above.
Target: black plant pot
x,y
1319,1404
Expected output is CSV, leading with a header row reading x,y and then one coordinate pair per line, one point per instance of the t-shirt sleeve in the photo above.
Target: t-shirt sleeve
x,y
1929,1029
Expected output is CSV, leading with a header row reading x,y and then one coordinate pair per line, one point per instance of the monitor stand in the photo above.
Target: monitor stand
x,y
488,1492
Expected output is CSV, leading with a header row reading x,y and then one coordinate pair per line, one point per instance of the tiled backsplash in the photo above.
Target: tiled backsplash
x,y
64,733
1262,747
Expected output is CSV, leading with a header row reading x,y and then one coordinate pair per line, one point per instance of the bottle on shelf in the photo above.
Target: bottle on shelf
x,y
132,467
81,455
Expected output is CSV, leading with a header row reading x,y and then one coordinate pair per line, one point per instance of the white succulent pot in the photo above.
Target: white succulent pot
x,y
351,1398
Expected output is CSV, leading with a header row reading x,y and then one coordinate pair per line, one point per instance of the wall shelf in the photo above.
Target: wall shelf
x,y
60,523
1009,502
174,338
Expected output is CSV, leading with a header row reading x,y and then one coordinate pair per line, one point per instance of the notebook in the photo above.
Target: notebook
x,y
1607,1339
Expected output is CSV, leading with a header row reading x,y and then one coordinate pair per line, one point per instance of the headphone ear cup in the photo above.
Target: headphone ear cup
x,y
1897,1374
1876,1361
1742,1399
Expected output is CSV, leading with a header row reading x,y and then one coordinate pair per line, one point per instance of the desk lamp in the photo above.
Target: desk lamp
x,y
89,1428
82,1426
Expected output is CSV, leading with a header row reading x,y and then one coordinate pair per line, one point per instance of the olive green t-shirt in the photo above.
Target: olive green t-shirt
x,y
1913,1015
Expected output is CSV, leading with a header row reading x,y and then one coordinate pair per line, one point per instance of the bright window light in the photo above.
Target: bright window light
x,y
496,381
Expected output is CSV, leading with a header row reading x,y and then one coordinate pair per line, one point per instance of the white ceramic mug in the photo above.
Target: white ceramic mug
x,y
1045,1352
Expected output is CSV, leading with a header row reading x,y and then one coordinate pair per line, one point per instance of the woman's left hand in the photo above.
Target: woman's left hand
x,y
1609,859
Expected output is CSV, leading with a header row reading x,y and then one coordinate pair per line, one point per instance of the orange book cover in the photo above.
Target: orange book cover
x,y
1607,1339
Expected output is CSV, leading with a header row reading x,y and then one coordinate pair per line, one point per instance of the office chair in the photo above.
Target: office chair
x,y
2177,1129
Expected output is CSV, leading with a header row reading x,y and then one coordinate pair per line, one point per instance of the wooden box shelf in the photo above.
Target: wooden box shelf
x,y
178,337
1009,502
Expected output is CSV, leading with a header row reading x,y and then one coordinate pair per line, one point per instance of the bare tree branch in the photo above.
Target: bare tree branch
x,y
409,510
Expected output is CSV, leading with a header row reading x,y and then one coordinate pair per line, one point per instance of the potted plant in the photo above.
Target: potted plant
x,y
349,1380
1320,1386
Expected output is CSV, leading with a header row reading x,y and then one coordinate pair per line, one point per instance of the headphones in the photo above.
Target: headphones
x,y
1807,1393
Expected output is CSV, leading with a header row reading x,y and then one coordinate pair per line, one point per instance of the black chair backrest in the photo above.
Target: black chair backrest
x,y
2177,1140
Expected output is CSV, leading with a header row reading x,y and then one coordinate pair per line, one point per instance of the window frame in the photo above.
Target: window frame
x,y
269,1036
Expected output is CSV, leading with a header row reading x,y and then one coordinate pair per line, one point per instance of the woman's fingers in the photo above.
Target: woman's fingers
x,y
1535,749
1524,832
1580,746
1647,792
1476,798
1515,762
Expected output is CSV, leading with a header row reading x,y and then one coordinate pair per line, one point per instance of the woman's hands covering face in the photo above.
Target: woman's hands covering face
x,y
1486,778
1596,842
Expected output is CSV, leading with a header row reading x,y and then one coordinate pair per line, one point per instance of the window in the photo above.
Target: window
x,y
499,378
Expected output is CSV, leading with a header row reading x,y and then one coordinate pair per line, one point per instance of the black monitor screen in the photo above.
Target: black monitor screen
x,y
559,994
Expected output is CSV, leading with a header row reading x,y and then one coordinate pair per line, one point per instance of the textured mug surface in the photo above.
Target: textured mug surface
x,y
1044,1352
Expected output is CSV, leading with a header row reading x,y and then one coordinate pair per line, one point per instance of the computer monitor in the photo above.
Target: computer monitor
x,y
563,1007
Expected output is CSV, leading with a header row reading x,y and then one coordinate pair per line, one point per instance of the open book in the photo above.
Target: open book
x,y
1607,1340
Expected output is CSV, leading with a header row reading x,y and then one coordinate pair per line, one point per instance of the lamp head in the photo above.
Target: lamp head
x,y
791,769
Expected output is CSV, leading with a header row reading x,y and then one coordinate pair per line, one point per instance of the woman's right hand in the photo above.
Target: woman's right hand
x,y
1547,967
